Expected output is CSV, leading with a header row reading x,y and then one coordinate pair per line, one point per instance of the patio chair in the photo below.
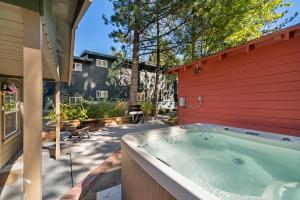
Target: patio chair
x,y
77,131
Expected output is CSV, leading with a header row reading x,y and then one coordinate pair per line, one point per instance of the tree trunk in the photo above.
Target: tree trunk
x,y
157,68
135,58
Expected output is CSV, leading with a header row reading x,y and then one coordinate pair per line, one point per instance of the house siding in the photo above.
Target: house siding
x,y
257,90
11,40
11,61
83,81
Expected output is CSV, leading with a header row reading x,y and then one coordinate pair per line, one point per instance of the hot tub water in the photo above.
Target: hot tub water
x,y
230,167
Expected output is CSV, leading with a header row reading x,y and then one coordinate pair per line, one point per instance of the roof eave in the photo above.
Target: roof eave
x,y
273,35
78,16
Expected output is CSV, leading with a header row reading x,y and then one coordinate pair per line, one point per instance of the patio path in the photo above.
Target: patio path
x,y
86,156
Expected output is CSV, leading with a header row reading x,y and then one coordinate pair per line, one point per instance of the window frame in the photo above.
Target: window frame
x,y
77,97
139,94
99,92
99,63
8,135
75,67
6,112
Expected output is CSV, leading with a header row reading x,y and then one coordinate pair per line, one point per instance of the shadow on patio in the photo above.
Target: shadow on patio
x,y
86,156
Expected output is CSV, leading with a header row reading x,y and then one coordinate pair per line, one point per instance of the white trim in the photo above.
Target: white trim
x,y
75,100
8,135
101,94
77,67
101,63
11,100
141,96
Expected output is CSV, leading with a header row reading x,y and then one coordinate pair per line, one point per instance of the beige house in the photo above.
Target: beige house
x,y
36,43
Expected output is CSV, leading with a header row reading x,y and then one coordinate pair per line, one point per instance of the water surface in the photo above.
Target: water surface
x,y
230,167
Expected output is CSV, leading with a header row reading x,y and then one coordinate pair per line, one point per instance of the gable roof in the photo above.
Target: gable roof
x,y
143,65
87,52
269,39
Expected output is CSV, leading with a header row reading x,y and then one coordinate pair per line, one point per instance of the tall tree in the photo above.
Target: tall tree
x,y
220,24
135,53
135,22
157,69
189,29
128,21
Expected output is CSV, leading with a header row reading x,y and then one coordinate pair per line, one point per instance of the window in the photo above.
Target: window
x,y
101,63
75,100
141,96
10,114
77,67
101,94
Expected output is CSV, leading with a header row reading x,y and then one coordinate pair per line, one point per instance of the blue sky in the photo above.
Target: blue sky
x,y
92,33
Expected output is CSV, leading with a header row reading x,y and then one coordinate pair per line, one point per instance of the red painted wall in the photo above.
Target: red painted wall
x,y
257,90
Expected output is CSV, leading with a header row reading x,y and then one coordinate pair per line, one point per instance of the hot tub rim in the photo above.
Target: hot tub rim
x,y
175,183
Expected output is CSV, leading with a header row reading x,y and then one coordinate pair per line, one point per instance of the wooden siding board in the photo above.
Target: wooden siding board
x,y
271,105
259,90
11,24
5,43
264,80
12,14
11,32
9,55
9,38
137,184
11,63
279,96
9,148
255,113
272,70
255,88
275,122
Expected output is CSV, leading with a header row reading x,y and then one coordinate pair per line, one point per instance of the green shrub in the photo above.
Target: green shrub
x,y
74,111
68,112
107,109
161,111
91,110
147,107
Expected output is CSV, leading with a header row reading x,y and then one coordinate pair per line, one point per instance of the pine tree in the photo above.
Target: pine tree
x,y
188,29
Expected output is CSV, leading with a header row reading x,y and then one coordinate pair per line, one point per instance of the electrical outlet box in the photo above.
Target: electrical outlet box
x,y
182,101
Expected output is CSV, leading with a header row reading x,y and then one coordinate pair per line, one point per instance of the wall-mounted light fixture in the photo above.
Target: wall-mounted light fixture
x,y
4,88
197,69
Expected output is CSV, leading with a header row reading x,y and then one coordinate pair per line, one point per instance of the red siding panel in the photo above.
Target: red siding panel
x,y
257,90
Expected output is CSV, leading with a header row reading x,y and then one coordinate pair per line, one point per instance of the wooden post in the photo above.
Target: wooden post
x,y
33,85
57,112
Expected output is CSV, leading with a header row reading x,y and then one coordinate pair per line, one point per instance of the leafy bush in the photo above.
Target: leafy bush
x,y
92,110
147,107
161,111
68,112
107,109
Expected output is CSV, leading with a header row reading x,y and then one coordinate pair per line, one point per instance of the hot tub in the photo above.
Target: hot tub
x,y
210,162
